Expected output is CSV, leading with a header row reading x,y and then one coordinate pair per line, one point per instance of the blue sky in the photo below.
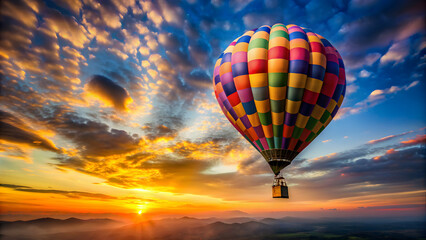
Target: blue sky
x,y
119,93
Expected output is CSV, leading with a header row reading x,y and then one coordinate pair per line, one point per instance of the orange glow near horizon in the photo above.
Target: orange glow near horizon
x,y
154,194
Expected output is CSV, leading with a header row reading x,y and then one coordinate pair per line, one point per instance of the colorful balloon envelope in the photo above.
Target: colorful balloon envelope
x,y
280,86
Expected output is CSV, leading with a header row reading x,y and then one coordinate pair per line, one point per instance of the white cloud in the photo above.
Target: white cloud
x,y
372,58
238,5
351,88
364,73
151,42
350,78
67,28
144,51
172,14
132,42
141,28
413,27
376,97
396,53
118,53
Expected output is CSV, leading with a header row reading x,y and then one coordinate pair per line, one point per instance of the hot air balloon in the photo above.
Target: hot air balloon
x,y
279,86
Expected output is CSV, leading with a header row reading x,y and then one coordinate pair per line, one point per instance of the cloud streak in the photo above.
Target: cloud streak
x,y
376,97
16,131
69,194
387,138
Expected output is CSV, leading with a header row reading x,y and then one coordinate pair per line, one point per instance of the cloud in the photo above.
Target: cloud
x,y
200,51
237,5
161,57
198,79
69,194
383,139
144,51
376,97
420,139
67,28
161,155
320,10
255,20
390,151
73,5
354,173
364,73
16,131
355,60
254,165
396,53
397,21
109,92
132,42
160,131
170,12
169,40
106,14
93,138
159,11
19,11
378,26
123,56
15,151
352,88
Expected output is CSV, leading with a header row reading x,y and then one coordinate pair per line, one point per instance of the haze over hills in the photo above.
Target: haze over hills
x,y
210,228
51,225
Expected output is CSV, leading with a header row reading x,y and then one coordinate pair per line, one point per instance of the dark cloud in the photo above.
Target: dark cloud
x,y
254,165
169,40
70,194
106,16
396,206
107,90
14,130
199,79
19,11
181,60
66,27
380,25
322,10
356,173
200,52
93,138
13,186
152,132
72,5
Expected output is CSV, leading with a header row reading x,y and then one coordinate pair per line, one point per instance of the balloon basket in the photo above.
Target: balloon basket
x,y
279,188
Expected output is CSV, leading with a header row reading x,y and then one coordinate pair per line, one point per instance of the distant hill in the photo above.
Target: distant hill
x,y
52,225
187,228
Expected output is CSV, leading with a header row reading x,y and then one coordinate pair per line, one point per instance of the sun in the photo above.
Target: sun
x,y
140,212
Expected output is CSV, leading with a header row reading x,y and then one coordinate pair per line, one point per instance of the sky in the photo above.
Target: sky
x,y
108,110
